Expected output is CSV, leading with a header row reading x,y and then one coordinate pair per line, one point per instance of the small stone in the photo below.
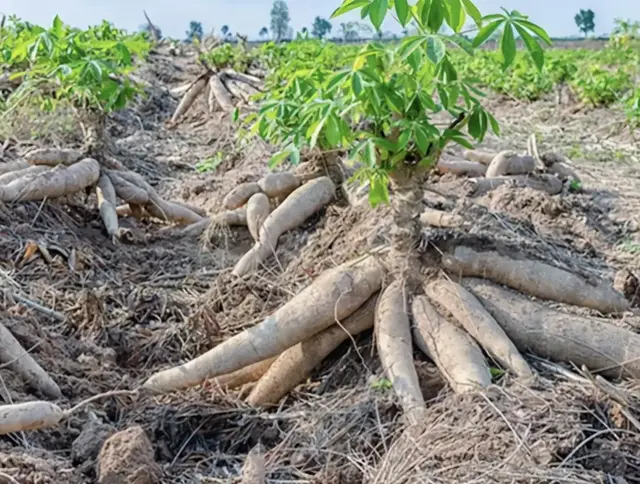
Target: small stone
x,y
87,446
128,458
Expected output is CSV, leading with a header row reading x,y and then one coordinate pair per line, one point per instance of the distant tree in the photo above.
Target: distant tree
x,y
263,32
585,21
320,28
195,31
224,30
147,28
280,19
351,30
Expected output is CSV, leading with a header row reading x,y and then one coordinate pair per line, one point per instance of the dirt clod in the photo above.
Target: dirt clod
x,y
127,457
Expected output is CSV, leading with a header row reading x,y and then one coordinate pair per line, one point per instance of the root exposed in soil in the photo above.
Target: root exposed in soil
x,y
99,316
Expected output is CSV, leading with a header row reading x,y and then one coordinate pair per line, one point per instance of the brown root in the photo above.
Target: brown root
x,y
393,340
228,218
563,171
454,352
544,183
461,167
276,185
597,344
29,416
295,365
499,166
221,94
54,183
126,190
26,173
299,206
438,218
170,211
13,166
535,278
189,97
521,165
240,195
480,156
335,294
106,196
53,157
248,374
13,354
468,311
258,209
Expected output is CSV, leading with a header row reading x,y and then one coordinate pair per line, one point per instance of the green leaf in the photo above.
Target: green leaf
x,y
58,26
455,15
394,101
236,115
473,12
370,154
402,10
474,127
539,31
436,49
294,157
534,49
508,45
356,83
462,42
403,139
315,130
349,5
495,127
486,31
378,190
436,15
278,158
410,45
333,131
385,143
422,138
337,79
377,12
423,8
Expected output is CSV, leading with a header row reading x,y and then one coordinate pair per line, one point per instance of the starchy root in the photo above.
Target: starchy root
x,y
438,218
27,173
544,183
29,416
54,183
53,157
393,339
240,195
484,157
454,352
106,196
468,311
258,209
535,278
335,294
294,365
13,354
276,185
560,336
461,167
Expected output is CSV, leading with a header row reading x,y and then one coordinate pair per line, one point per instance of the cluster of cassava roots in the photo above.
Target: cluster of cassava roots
x,y
478,305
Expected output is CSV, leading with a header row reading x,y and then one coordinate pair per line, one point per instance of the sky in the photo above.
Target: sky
x,y
249,16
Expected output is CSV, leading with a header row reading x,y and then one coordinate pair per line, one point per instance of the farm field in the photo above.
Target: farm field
x,y
312,262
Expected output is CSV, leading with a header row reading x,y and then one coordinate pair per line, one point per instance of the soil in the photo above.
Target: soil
x,y
125,310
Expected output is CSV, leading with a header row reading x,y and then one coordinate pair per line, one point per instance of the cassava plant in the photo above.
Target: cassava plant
x,y
380,110
90,71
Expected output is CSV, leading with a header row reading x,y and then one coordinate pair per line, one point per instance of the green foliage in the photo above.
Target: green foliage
x,y
227,55
321,27
585,20
377,105
210,164
87,68
280,19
